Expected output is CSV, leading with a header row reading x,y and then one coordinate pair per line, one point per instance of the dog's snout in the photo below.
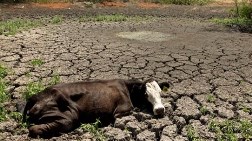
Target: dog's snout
x,y
160,110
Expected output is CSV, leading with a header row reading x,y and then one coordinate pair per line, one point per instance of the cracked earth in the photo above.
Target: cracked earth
x,y
209,66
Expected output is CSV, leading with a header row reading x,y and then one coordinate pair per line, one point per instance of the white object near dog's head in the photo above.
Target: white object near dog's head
x,y
153,92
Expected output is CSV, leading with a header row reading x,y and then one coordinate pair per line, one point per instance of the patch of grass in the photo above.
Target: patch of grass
x,y
228,129
11,27
3,113
3,92
192,134
242,9
37,62
242,16
55,79
165,89
94,129
112,18
3,71
57,19
244,108
28,74
104,18
16,116
232,21
203,110
246,129
211,98
33,88
184,2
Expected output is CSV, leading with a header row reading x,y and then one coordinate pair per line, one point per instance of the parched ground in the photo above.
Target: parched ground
x,y
209,65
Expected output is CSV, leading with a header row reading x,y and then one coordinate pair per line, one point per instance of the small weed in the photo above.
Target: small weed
x,y
111,18
3,92
165,89
228,130
37,62
94,129
203,110
191,133
55,79
57,19
246,129
232,21
244,108
11,27
16,116
28,74
210,98
126,130
3,71
3,113
33,88
104,18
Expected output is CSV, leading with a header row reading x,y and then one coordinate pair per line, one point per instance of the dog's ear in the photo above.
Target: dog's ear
x,y
61,100
165,85
30,102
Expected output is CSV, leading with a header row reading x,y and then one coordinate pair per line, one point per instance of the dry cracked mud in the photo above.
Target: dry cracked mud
x,y
208,65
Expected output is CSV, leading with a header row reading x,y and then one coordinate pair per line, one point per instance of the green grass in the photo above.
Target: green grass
x,y
3,84
55,79
94,130
203,110
3,71
104,18
242,9
33,88
244,108
17,116
56,19
241,16
111,18
3,92
211,98
192,134
11,27
228,130
165,89
37,62
3,113
232,21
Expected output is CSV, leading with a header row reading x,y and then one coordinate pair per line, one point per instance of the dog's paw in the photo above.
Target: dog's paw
x,y
35,131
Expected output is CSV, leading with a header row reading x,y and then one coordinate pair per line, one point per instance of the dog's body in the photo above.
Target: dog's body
x,y
63,107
